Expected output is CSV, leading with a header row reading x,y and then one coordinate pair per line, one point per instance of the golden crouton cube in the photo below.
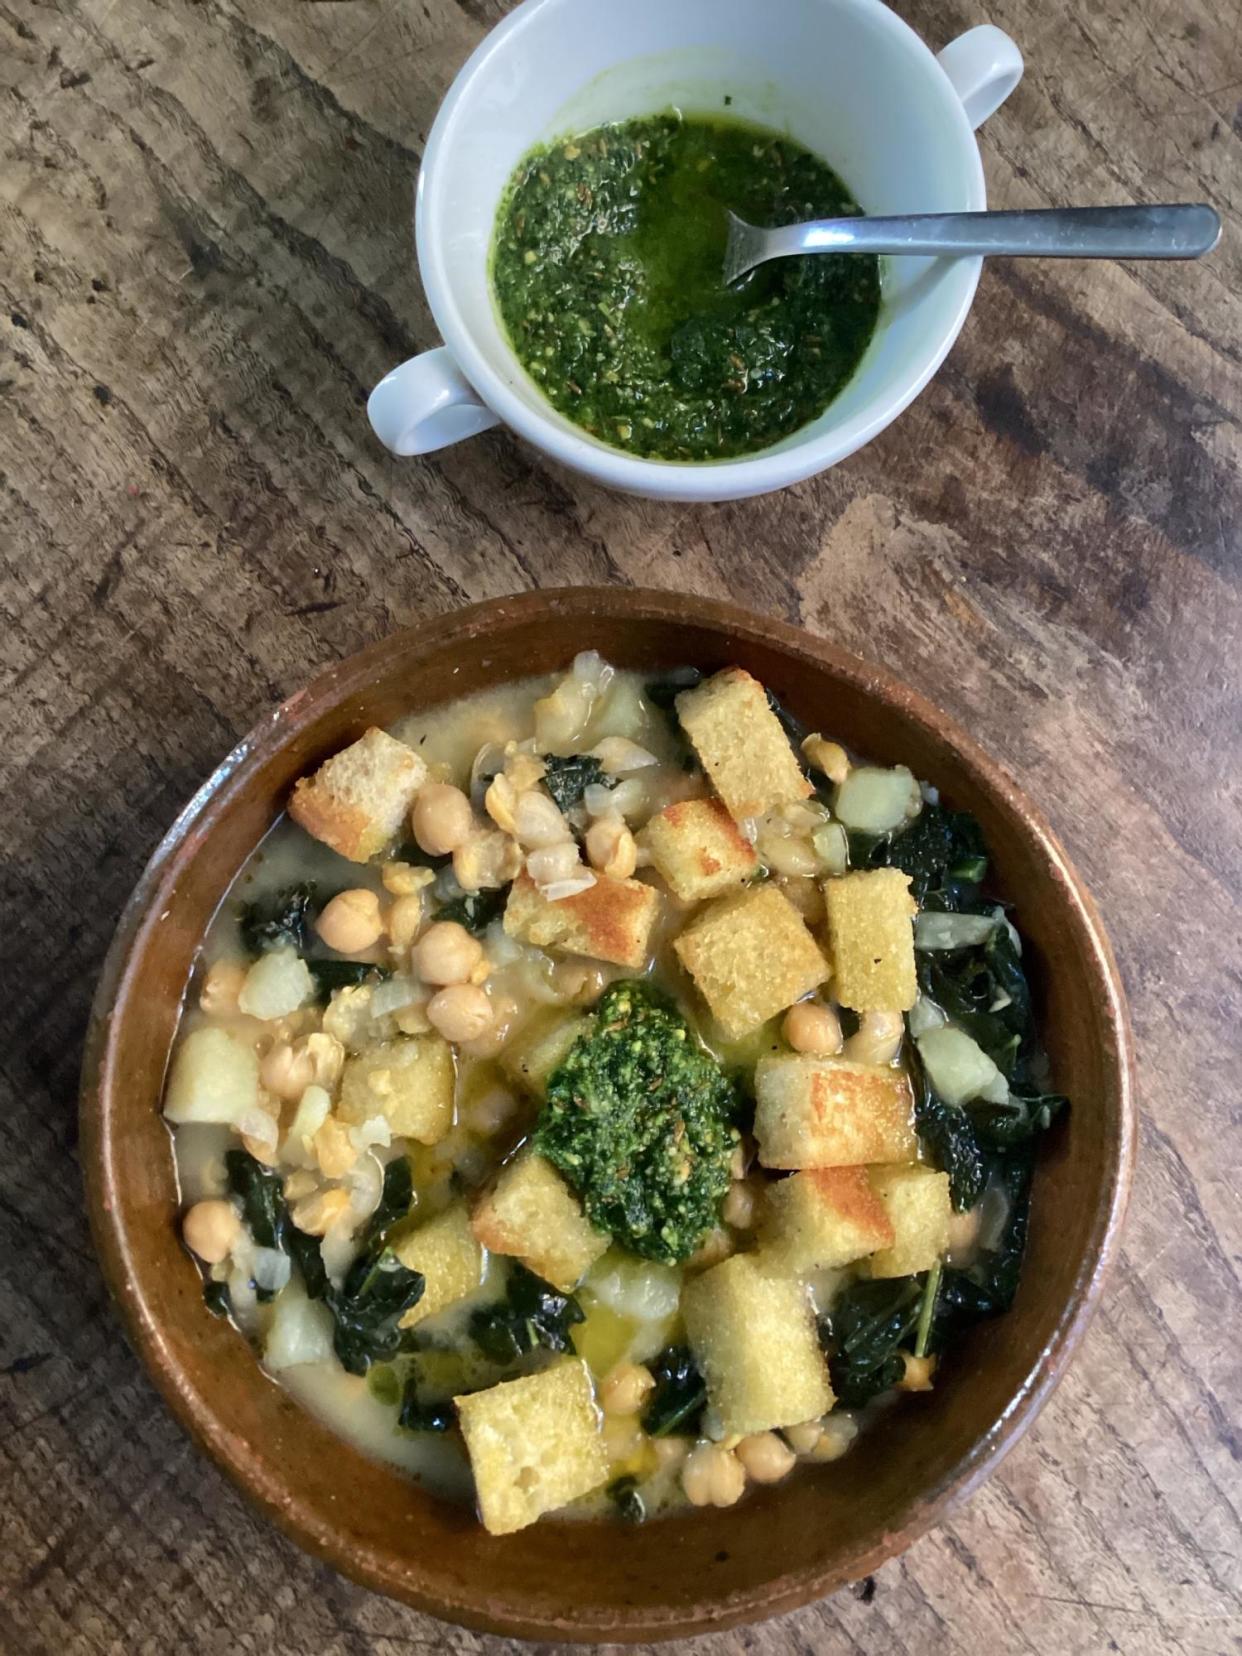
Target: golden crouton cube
x,y
530,1057
828,1112
448,1254
919,1210
532,1214
751,956
409,1082
697,848
611,920
740,743
534,1444
753,1336
357,800
871,938
822,1218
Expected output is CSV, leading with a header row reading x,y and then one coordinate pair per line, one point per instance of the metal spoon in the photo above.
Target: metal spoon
x,y
1173,232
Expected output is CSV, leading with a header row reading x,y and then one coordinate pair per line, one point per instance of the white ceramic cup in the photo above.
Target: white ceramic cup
x,y
846,78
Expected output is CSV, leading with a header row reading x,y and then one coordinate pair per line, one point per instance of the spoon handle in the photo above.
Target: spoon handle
x,y
1170,232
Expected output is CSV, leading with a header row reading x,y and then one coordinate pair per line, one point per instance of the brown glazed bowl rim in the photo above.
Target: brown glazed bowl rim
x,y
262,1480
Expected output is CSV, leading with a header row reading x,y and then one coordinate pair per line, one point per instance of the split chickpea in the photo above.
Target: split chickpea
x,y
210,1229
351,922
712,1476
611,848
461,1012
447,953
625,1388
810,1026
442,818
877,1039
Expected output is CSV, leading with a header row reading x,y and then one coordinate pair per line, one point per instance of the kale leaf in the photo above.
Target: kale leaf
x,y
416,1415
569,778
863,1334
532,1314
217,1299
640,1120
262,1198
376,1294
942,851
307,1255
475,910
1028,1113
281,921
988,1286
330,975
948,1136
983,989
680,1396
663,692
624,1495
395,1200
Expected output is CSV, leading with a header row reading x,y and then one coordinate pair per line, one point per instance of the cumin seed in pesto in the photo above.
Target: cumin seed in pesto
x,y
608,272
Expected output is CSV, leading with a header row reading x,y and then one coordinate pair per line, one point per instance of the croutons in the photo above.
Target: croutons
x,y
408,1082
740,743
448,1254
530,1056
532,1214
871,938
919,1210
696,846
611,920
750,956
357,800
753,1336
828,1112
822,1218
214,1078
534,1445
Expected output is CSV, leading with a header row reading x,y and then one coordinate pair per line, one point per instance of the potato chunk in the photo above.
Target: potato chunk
x,y
828,1112
448,1254
696,847
753,1336
357,800
919,1210
750,956
740,743
822,1218
409,1082
532,1214
530,1057
534,1445
611,920
871,937
214,1078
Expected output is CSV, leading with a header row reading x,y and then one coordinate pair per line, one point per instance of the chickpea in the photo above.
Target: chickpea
x,y
222,986
441,819
739,1205
611,848
917,1376
493,1038
830,757
210,1229
669,1451
461,1012
334,1149
837,1432
803,1438
878,1038
766,1457
500,803
551,863
351,922
538,821
286,1071
624,1389
301,1182
486,860
317,1214
447,953
810,1026
404,919
713,1476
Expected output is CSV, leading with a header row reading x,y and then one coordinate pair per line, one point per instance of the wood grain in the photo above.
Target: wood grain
x,y
203,220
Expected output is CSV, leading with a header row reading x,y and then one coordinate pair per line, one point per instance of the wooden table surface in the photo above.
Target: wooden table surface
x,y
205,265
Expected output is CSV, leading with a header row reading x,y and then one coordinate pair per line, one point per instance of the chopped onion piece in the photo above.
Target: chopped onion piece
x,y
394,994
270,1269
300,1332
831,847
952,931
924,1016
618,755
374,1130
559,889
876,801
957,1067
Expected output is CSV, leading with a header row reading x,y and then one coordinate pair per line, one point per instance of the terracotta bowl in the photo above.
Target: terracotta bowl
x,y
703,1570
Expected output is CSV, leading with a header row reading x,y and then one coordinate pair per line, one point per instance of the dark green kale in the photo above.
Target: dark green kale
x,y
983,989
330,975
942,851
988,1286
532,1314
377,1292
948,1136
281,921
417,1415
641,1122
662,692
1028,1113
680,1395
475,910
624,1495
307,1255
259,1190
395,1201
863,1335
569,778
217,1300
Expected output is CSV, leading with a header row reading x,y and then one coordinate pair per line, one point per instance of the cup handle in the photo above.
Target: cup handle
x,y
425,404
984,66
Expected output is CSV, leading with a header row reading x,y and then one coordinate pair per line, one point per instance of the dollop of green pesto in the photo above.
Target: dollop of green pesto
x,y
640,1121
607,267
